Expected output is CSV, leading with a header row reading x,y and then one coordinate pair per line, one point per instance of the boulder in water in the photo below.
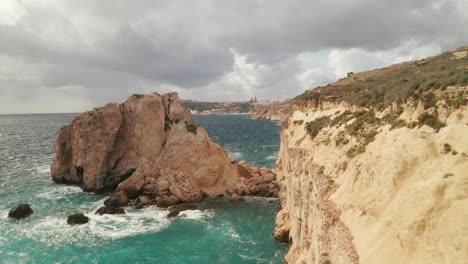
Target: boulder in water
x,y
174,210
117,199
110,210
235,198
21,211
77,219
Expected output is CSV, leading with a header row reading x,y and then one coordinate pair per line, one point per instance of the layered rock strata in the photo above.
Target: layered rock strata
x,y
149,150
356,188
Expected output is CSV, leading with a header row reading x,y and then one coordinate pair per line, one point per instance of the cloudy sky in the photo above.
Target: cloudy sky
x,y
70,56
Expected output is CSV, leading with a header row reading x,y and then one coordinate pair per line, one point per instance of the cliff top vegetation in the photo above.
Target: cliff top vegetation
x,y
379,88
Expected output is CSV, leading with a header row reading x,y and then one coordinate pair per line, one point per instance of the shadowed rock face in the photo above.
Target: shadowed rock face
x,y
150,146
77,219
21,211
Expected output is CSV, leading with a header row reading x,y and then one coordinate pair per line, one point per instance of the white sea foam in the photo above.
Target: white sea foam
x,y
236,155
232,233
272,157
55,230
196,214
132,223
59,192
42,168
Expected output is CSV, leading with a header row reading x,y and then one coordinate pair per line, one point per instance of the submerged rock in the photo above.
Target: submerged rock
x,y
21,211
235,198
150,146
77,219
174,210
110,210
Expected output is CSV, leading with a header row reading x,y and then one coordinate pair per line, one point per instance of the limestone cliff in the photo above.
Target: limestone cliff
x,y
373,168
149,147
277,110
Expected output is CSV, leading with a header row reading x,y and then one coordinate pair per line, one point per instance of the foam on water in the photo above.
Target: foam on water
x,y
59,192
42,168
272,157
220,231
196,214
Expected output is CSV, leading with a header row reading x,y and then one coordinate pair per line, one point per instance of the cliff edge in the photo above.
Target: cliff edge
x,y
372,168
150,149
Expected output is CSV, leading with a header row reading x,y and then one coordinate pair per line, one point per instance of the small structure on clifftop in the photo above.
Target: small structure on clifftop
x,y
253,100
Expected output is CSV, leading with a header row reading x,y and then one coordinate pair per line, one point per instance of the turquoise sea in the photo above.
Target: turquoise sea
x,y
220,232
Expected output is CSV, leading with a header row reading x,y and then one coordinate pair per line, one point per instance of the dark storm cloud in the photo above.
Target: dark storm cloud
x,y
102,50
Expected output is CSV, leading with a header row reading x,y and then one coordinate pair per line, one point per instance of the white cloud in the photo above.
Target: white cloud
x,y
11,12
312,78
112,48
46,100
342,61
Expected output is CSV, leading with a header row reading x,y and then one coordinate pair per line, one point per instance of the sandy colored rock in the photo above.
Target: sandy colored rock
x,y
403,200
117,199
282,226
235,198
149,145
162,185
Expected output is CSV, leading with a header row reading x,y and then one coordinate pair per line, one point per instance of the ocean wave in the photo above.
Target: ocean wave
x,y
272,157
236,155
59,192
134,222
196,214
42,168
55,230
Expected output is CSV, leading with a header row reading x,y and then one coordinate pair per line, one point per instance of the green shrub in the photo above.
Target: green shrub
x,y
342,118
430,120
362,118
398,123
314,127
447,148
412,124
341,139
356,150
429,100
191,127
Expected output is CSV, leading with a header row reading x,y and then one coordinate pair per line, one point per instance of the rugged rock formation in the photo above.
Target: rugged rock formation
x,y
110,210
367,178
277,110
77,219
21,211
174,210
150,150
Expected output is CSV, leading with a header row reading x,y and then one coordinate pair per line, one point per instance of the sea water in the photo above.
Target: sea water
x,y
219,232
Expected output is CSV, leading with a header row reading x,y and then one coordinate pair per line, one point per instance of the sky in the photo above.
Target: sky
x,y
71,56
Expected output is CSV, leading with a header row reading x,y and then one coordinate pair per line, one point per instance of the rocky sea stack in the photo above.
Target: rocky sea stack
x,y
149,149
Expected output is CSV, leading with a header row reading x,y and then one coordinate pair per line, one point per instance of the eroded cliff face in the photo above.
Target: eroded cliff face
x,y
277,110
375,191
148,148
